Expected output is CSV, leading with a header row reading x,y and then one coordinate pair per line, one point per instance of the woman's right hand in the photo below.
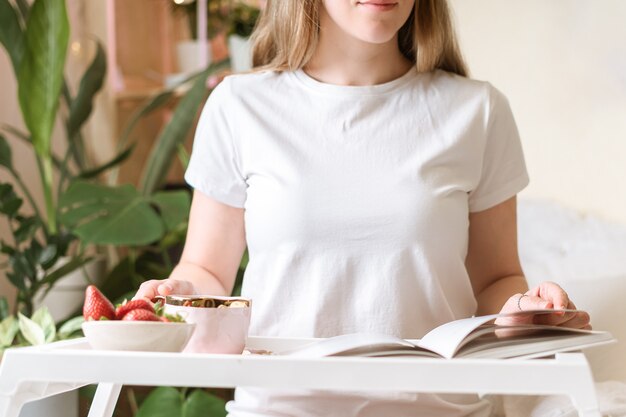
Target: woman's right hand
x,y
151,289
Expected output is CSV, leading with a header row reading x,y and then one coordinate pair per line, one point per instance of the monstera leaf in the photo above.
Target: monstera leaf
x,y
110,215
170,402
121,215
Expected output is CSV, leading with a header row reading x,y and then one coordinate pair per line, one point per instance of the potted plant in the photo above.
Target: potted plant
x,y
19,330
241,22
41,251
119,216
188,51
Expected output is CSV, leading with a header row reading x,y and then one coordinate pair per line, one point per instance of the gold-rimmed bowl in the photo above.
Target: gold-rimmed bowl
x,y
221,322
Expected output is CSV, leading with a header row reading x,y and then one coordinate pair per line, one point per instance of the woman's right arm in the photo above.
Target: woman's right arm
x,y
213,249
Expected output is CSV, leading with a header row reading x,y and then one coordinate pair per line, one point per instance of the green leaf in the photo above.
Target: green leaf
x,y
23,7
6,159
162,402
10,203
11,36
23,268
175,236
113,162
202,404
4,307
90,84
174,207
244,260
40,74
57,246
153,103
48,255
8,329
183,155
17,279
26,230
31,331
110,215
44,319
24,137
70,327
175,132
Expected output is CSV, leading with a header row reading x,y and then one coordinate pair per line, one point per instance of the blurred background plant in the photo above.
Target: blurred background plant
x,y
226,18
216,19
20,330
81,212
242,18
232,17
141,228
42,250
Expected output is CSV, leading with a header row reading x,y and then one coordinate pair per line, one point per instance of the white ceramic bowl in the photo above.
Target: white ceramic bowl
x,y
149,336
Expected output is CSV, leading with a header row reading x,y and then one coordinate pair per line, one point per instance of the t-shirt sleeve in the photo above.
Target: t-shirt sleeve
x,y
215,166
503,172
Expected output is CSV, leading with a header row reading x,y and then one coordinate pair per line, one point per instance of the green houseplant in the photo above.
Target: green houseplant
x,y
81,212
20,330
36,39
242,18
217,15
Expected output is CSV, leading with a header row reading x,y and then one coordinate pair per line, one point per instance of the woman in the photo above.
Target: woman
x,y
373,184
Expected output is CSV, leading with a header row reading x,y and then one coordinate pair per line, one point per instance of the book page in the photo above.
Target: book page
x,y
538,343
354,343
448,338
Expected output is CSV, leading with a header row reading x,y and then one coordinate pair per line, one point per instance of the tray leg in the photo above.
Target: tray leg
x,y
104,401
9,407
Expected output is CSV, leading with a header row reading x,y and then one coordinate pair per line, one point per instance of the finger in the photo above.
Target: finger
x,y
575,320
514,305
147,290
552,292
531,302
578,321
174,286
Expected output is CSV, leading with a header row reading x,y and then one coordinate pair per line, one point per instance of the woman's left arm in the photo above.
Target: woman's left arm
x,y
496,274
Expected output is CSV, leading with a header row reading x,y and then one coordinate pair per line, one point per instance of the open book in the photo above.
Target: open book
x,y
475,337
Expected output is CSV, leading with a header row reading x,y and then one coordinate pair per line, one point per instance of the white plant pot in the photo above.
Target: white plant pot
x,y
189,56
68,293
240,50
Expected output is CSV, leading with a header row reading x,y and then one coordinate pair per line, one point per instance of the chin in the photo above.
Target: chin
x,y
375,37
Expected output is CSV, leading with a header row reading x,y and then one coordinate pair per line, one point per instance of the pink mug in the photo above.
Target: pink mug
x,y
221,322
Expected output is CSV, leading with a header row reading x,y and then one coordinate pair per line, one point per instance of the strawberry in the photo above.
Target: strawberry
x,y
141,315
127,306
97,306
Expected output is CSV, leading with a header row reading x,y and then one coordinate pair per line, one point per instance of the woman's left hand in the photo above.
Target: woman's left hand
x,y
547,295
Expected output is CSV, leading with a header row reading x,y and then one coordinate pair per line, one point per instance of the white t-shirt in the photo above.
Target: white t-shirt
x,y
356,210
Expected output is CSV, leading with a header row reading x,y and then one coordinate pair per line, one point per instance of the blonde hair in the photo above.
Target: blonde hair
x,y
287,32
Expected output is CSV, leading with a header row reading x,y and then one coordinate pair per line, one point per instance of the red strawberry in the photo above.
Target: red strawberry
x,y
97,305
127,306
141,315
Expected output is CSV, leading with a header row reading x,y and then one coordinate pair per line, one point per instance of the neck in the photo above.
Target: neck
x,y
344,60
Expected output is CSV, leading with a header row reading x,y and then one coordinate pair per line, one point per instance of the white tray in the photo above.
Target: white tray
x,y
31,373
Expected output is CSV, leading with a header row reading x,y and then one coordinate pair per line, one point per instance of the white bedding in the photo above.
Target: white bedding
x,y
586,255
611,400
